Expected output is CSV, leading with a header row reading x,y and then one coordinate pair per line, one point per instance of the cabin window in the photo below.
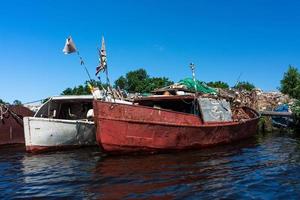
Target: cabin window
x,y
178,105
74,110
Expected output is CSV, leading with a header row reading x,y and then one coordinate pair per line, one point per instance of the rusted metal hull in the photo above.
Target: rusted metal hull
x,y
11,128
129,128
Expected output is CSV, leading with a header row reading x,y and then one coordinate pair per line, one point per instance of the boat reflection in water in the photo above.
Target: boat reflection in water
x,y
62,174
167,176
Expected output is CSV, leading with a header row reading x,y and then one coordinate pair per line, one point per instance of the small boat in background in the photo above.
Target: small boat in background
x,y
283,121
171,122
61,122
11,123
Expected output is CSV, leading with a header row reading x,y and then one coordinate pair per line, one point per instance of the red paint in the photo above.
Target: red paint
x,y
11,130
41,149
131,128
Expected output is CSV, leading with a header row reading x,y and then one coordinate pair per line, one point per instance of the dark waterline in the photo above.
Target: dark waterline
x,y
264,167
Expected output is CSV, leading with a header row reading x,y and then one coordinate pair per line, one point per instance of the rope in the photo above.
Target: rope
x,y
14,115
83,64
34,101
2,113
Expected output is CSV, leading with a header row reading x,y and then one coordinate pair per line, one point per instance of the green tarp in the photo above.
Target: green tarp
x,y
201,86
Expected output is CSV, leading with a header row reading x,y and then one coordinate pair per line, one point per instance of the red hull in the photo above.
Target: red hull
x,y
129,128
11,130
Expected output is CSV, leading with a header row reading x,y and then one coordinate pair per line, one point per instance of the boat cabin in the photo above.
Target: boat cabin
x,y
208,109
176,103
73,107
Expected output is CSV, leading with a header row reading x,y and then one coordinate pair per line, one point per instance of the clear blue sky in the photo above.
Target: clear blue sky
x,y
258,38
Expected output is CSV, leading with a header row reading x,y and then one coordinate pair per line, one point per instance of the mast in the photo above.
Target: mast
x,y
192,66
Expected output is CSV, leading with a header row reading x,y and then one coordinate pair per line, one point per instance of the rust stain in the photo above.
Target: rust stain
x,y
11,130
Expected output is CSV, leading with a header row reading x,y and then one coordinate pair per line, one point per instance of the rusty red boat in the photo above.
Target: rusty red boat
x,y
11,123
163,123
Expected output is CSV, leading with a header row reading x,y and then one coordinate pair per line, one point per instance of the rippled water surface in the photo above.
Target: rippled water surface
x,y
265,167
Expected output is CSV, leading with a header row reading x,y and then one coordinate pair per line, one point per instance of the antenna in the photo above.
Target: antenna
x,y
192,66
238,79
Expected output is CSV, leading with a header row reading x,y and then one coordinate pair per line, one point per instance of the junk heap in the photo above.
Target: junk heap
x,y
255,99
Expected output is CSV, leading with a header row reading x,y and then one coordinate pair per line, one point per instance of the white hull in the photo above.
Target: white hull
x,y
46,133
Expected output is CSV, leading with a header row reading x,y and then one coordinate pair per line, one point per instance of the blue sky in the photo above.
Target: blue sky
x,y
255,38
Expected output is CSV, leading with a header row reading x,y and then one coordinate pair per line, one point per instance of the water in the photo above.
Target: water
x,y
265,167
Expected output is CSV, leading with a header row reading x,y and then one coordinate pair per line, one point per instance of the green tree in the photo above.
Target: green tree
x,y
157,82
79,90
83,89
139,81
17,102
68,91
244,85
218,84
121,82
2,102
290,84
296,112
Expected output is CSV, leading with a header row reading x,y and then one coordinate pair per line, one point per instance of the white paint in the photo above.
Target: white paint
x,y
57,132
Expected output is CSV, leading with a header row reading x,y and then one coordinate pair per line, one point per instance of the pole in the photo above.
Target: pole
x,y
192,66
108,83
106,73
101,84
238,79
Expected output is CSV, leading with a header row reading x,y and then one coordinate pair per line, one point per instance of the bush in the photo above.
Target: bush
x,y
218,84
290,84
244,85
296,112
139,81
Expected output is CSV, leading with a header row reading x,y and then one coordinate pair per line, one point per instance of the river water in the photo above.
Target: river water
x,y
264,167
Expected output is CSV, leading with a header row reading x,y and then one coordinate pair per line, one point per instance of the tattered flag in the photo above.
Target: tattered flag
x,y
102,58
69,46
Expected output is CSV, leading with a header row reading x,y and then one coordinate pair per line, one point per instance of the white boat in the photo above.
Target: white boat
x,y
62,122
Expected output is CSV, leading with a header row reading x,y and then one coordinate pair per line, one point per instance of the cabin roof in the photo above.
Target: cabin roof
x,y
72,97
164,97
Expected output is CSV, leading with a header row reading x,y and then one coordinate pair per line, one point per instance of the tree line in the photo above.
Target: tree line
x,y
15,102
139,81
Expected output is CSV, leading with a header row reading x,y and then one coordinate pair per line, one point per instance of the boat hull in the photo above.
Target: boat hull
x,y
44,134
125,128
11,127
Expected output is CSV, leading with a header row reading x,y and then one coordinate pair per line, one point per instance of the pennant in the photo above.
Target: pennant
x,y
102,58
69,46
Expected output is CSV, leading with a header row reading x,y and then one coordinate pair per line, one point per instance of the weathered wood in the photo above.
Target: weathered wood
x,y
276,114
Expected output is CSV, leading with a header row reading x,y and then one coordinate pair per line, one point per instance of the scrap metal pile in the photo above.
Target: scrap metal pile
x,y
255,99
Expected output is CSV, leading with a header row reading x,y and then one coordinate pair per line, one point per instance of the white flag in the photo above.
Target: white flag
x,y
69,46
